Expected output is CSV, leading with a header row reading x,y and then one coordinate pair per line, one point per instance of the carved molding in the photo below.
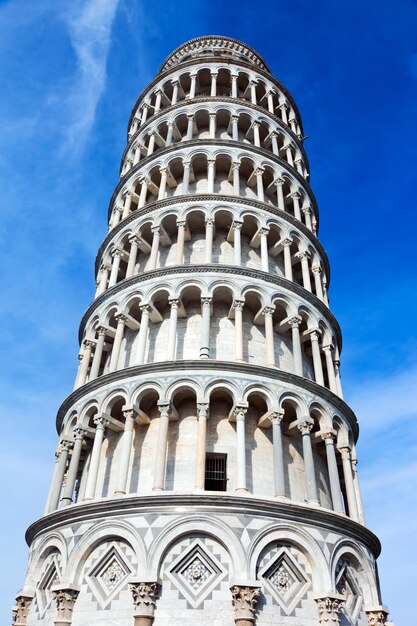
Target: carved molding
x,y
144,595
244,600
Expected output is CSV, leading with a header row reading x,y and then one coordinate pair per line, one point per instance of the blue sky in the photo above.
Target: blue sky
x,y
70,73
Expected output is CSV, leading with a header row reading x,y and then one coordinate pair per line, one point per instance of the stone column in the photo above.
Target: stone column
x,y
307,216
274,143
101,422
205,328
253,92
134,245
200,464
286,244
192,85
280,193
244,599
79,434
329,439
213,88
126,445
330,367
114,274
172,334
269,336
210,175
279,467
144,114
190,124
283,108
377,616
170,127
264,249
294,323
127,205
270,98
328,607
304,256
117,213
153,258
158,100
161,448
338,377
136,158
85,362
209,240
117,343
175,86
256,135
234,78
98,352
356,485
143,332
260,184
212,126
350,488
240,413
237,246
315,350
299,165
179,253
309,470
163,183
296,200
186,176
105,270
58,479
288,153
236,178
316,269
144,595
238,307
143,192
235,127
21,609
65,600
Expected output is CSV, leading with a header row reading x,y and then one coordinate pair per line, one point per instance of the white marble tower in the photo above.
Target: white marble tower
x,y
206,467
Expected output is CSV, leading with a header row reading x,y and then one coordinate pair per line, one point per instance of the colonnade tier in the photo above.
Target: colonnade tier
x,y
209,317
215,167
236,211
212,78
187,236
291,432
218,119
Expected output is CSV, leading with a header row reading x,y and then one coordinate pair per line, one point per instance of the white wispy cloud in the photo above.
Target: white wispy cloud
x,y
89,26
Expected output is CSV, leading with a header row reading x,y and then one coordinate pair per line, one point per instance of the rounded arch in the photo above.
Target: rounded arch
x,y
353,553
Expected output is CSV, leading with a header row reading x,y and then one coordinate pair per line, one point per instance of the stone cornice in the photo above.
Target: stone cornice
x,y
196,198
218,41
224,61
214,143
204,503
256,275
210,366
202,99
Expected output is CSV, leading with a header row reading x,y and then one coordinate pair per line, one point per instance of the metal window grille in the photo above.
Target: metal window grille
x,y
216,478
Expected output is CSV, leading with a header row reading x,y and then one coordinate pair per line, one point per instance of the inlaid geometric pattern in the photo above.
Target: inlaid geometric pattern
x,y
109,573
49,578
196,572
347,585
285,580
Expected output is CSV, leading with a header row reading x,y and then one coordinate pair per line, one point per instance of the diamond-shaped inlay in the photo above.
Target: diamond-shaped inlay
x,y
49,579
347,585
108,575
195,573
285,580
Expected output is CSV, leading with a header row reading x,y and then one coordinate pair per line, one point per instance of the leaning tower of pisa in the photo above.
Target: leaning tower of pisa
x,y
206,468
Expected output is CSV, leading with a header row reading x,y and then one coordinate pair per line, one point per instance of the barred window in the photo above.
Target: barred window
x,y
216,478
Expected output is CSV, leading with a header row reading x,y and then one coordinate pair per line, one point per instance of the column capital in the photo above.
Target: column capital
x,y
238,305
329,437
105,267
305,209
212,114
328,348
144,595
237,225
21,609
214,72
276,416
295,321
377,616
206,300
65,600
65,444
239,412
303,254
286,242
145,308
295,194
283,105
258,171
209,221
116,252
174,303
305,428
345,453
263,230
156,230
244,599
186,163
164,409
89,343
316,269
268,310
100,421
163,170
202,409
79,431
181,223
134,239
235,165
211,162
329,607
121,317
101,330
279,182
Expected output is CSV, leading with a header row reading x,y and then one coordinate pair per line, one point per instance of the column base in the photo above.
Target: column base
x,y
119,493
241,490
143,620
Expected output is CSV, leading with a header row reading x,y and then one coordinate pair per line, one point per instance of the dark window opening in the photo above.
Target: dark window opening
x,y
215,479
